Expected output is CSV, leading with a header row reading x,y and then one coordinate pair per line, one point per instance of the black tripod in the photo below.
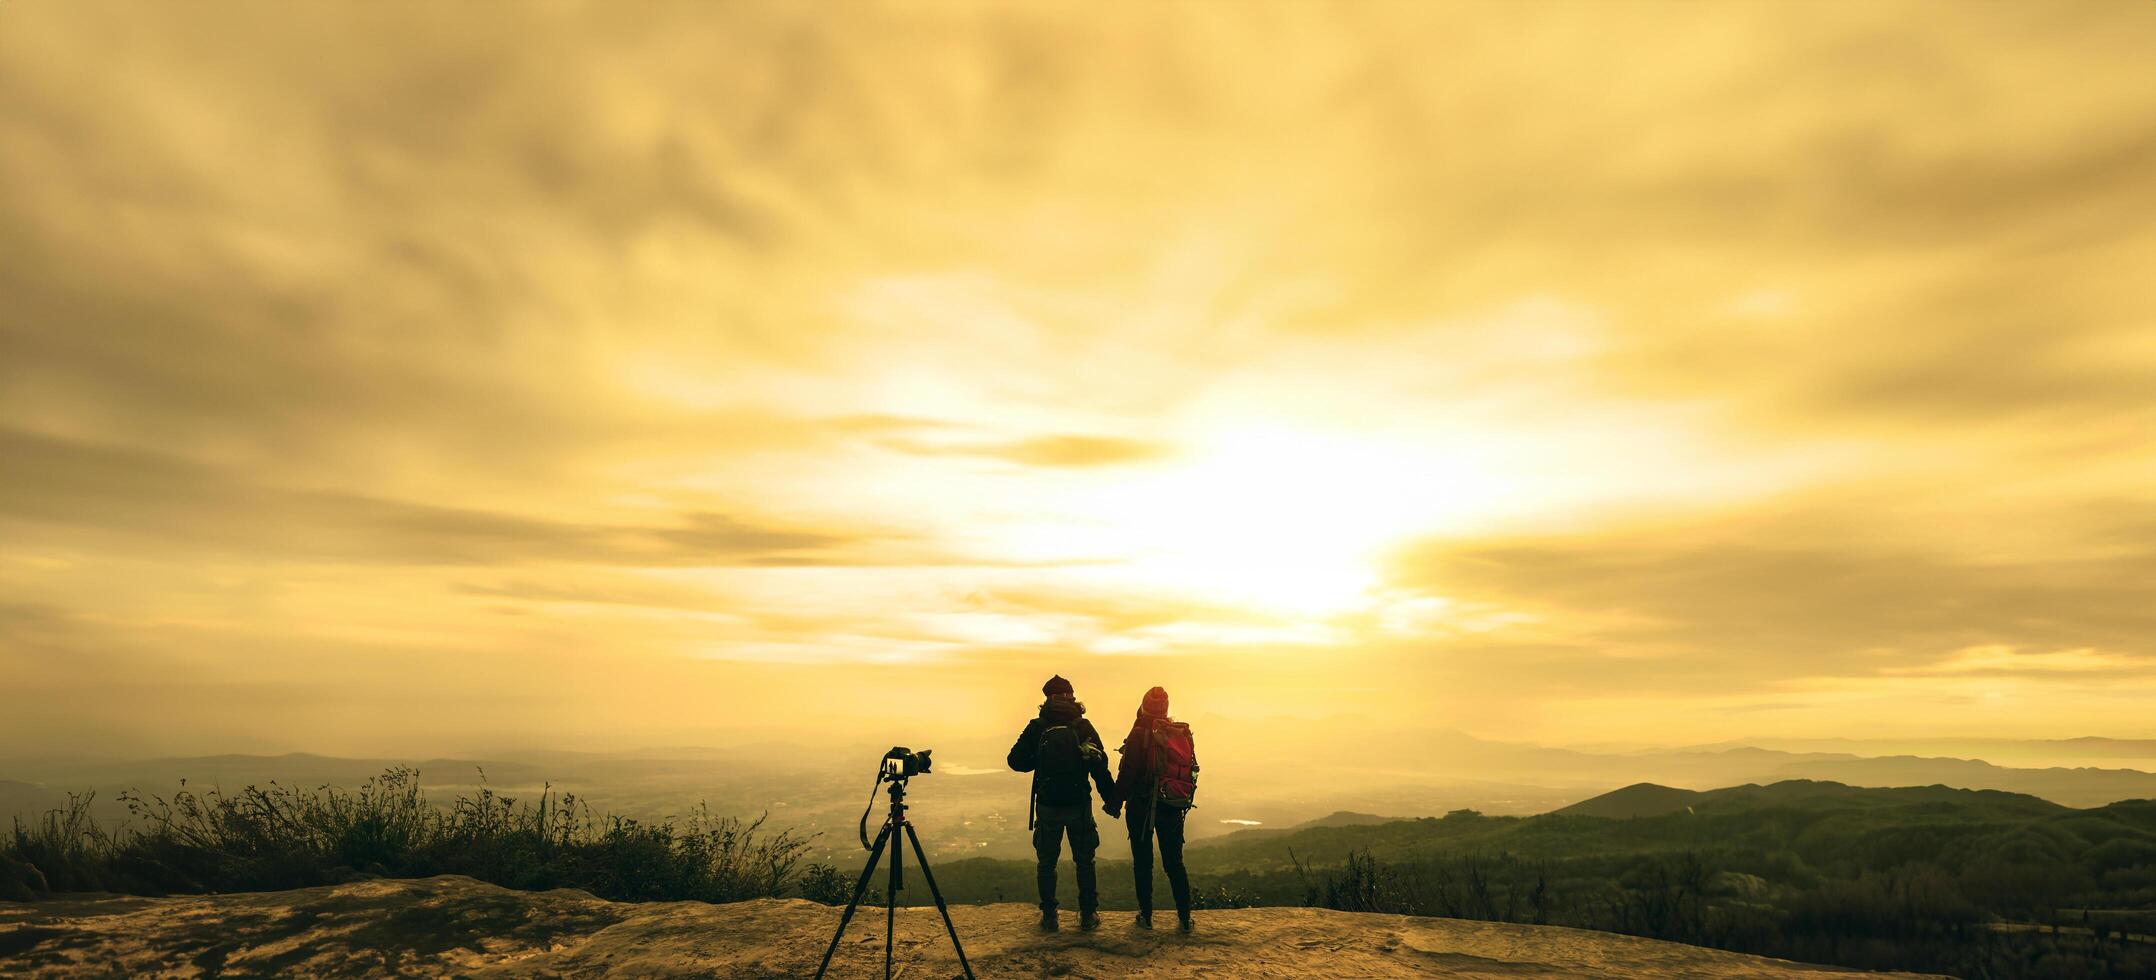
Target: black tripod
x,y
887,837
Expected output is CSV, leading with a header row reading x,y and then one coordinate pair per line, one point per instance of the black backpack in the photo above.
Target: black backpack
x,y
1060,765
1059,755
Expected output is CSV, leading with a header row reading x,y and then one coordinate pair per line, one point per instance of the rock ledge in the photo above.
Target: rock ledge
x,y
455,925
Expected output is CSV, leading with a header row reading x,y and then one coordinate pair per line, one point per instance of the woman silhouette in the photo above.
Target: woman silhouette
x,y
1157,774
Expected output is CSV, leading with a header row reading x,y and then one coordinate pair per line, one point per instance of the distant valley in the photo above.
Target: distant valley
x,y
1267,775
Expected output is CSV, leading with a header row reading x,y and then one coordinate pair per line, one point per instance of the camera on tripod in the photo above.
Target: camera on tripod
x,y
904,763
896,766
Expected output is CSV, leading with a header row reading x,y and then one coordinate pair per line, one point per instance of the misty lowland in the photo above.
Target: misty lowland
x,y
1873,856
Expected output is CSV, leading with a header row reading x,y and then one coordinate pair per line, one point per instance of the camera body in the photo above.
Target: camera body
x,y
904,763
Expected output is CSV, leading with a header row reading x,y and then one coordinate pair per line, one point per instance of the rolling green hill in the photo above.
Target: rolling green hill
x,y
1650,800
1636,800
1817,820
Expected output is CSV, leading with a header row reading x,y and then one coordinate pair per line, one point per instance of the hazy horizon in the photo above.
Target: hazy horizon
x,y
978,738
408,377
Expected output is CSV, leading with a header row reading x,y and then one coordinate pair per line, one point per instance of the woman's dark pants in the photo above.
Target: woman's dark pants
x,y
1167,829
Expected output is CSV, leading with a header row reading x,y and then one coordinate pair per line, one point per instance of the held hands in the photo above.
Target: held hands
x,y
1113,808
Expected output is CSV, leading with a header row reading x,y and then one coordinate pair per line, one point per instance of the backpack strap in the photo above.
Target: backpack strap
x,y
1151,802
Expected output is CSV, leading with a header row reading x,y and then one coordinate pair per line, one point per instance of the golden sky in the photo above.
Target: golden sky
x,y
386,375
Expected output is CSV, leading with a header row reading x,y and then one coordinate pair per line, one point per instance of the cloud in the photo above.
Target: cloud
x,y
167,502
2003,661
1061,450
543,592
30,623
747,332
1799,594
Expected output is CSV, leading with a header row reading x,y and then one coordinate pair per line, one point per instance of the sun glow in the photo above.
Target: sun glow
x,y
1280,519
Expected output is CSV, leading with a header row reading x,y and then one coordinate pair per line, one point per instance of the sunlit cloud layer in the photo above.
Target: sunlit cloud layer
x,y
457,373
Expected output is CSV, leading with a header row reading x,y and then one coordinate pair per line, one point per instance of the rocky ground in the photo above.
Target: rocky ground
x,y
458,926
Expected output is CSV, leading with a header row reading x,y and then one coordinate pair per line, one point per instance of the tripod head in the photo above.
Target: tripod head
x,y
896,766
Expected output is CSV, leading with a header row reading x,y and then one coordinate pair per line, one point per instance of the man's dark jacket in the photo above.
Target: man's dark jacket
x,y
1063,790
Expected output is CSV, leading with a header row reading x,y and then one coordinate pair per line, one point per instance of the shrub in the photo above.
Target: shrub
x,y
276,837
822,883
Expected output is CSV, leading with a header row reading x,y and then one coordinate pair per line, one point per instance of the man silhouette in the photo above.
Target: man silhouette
x,y
1063,751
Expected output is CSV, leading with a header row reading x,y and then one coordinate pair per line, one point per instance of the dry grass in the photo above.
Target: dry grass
x,y
277,837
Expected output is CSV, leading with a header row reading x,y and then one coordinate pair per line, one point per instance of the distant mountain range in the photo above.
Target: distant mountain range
x,y
1280,774
1819,819
1642,800
2079,787
1335,751
2035,752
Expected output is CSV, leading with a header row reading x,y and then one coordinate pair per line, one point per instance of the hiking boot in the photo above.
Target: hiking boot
x,y
1048,920
1145,919
1089,921
1182,921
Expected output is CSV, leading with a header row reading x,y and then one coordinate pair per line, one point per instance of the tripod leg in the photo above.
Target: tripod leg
x,y
890,905
933,892
860,888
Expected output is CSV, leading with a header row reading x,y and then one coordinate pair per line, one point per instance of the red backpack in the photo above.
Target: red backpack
x,y
1174,764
